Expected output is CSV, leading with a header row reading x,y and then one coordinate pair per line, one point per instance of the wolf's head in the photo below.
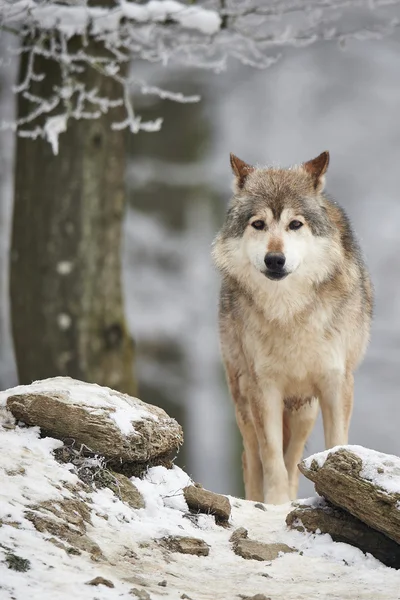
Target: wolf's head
x,y
279,224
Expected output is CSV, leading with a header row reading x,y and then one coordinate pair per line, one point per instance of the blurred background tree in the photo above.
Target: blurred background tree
x,y
87,80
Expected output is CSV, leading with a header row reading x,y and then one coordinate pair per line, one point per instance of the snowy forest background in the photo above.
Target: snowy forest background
x,y
345,100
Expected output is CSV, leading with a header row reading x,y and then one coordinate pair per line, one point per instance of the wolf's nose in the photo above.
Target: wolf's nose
x,y
275,261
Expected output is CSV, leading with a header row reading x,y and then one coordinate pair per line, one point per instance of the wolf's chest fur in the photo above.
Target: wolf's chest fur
x,y
295,352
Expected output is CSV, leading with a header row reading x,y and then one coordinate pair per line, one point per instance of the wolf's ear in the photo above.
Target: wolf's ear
x,y
240,169
317,168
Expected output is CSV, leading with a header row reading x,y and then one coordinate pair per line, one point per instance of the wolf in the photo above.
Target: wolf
x,y
295,311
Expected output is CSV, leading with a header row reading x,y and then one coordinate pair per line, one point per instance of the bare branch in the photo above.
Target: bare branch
x,y
77,36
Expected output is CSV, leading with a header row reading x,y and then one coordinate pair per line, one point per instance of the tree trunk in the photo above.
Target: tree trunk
x,y
65,280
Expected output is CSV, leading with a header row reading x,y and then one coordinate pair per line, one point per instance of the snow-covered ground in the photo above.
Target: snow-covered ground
x,y
127,537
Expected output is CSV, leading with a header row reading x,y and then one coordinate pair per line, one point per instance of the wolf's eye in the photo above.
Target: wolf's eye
x,y
258,224
295,225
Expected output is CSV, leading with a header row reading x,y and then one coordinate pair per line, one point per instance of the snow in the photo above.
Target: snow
x,y
168,32
192,17
128,538
128,31
64,321
124,410
52,129
22,450
119,416
64,267
383,470
74,20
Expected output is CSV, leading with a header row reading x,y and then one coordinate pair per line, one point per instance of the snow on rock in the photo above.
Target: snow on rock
x,y
64,535
383,470
363,482
323,517
109,423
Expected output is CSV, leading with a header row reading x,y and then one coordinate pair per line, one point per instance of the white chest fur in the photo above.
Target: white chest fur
x,y
293,348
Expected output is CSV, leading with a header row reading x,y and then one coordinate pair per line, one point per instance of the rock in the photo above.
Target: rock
x,y
343,527
199,499
253,550
239,534
125,430
7,421
65,520
186,545
141,594
163,583
101,581
127,491
94,474
359,481
68,549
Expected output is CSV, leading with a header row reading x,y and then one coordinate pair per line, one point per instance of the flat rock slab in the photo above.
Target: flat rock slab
x,y
253,550
186,545
364,482
121,428
204,501
323,517
66,521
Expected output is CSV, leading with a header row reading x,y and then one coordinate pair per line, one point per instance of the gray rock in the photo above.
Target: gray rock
x,y
201,500
186,545
253,550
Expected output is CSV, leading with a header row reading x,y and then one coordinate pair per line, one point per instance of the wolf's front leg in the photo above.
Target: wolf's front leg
x,y
336,400
251,461
267,411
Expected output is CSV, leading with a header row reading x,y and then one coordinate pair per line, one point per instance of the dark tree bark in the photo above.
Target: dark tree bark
x,y
65,280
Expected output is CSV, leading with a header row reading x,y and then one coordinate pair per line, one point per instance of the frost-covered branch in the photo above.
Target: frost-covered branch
x,y
78,36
